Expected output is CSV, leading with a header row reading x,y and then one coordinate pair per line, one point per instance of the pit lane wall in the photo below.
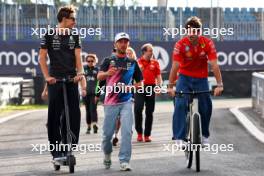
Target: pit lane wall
x,y
258,92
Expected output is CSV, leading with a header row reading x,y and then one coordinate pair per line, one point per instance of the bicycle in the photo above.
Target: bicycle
x,y
193,128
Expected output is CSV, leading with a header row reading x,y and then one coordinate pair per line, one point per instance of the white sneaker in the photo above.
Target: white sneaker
x,y
59,160
205,141
125,167
107,161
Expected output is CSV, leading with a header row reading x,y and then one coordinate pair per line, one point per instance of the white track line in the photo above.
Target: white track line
x,y
5,119
251,128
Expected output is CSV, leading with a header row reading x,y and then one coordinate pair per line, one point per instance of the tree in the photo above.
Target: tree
x,y
134,2
90,2
57,3
99,3
22,1
111,2
84,1
74,2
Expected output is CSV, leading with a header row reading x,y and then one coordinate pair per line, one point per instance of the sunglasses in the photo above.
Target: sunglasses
x,y
90,61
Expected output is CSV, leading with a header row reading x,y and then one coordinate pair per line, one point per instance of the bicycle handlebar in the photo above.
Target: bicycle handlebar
x,y
64,80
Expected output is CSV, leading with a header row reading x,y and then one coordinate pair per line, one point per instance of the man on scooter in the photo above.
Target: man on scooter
x,y
64,51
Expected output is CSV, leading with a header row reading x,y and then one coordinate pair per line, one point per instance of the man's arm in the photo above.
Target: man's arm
x,y
79,68
138,84
105,71
78,61
173,77
137,77
159,80
177,58
44,67
217,73
158,75
83,87
102,75
79,65
44,94
216,70
43,62
173,73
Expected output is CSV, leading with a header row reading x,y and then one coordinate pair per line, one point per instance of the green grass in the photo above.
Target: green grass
x,y
12,108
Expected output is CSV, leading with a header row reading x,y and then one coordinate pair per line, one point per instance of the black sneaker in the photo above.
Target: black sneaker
x,y
88,130
95,128
107,161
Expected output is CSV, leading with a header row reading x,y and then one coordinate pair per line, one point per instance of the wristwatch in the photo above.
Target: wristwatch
x,y
80,73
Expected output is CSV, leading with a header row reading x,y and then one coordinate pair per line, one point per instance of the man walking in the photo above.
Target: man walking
x,y
152,77
117,70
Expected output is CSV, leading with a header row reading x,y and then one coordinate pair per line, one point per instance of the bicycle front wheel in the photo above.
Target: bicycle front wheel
x,y
188,155
197,139
197,157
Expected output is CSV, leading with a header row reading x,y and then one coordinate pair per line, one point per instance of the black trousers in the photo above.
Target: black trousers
x,y
91,109
147,99
56,114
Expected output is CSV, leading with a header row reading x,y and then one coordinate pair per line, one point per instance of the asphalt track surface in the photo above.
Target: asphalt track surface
x,y
246,158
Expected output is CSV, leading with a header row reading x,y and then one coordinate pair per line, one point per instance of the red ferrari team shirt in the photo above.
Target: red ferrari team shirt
x,y
194,59
150,70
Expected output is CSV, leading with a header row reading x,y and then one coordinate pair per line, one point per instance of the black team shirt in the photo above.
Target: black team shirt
x,y
61,51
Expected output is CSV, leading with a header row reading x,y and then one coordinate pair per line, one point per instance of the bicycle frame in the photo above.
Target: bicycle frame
x,y
193,112
193,128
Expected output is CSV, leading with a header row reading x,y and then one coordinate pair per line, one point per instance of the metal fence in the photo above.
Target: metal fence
x,y
142,24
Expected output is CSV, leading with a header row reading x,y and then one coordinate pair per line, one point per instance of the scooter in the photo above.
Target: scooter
x,y
69,159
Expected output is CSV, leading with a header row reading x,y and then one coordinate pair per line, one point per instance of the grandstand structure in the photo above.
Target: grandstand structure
x,y
142,23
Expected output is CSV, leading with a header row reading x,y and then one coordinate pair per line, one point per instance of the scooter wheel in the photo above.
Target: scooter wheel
x,y
71,162
71,168
56,167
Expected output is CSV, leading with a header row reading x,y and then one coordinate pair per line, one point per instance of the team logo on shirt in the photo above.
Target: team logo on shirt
x,y
152,66
112,63
55,44
90,78
71,42
71,39
128,65
187,48
202,45
188,54
202,53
